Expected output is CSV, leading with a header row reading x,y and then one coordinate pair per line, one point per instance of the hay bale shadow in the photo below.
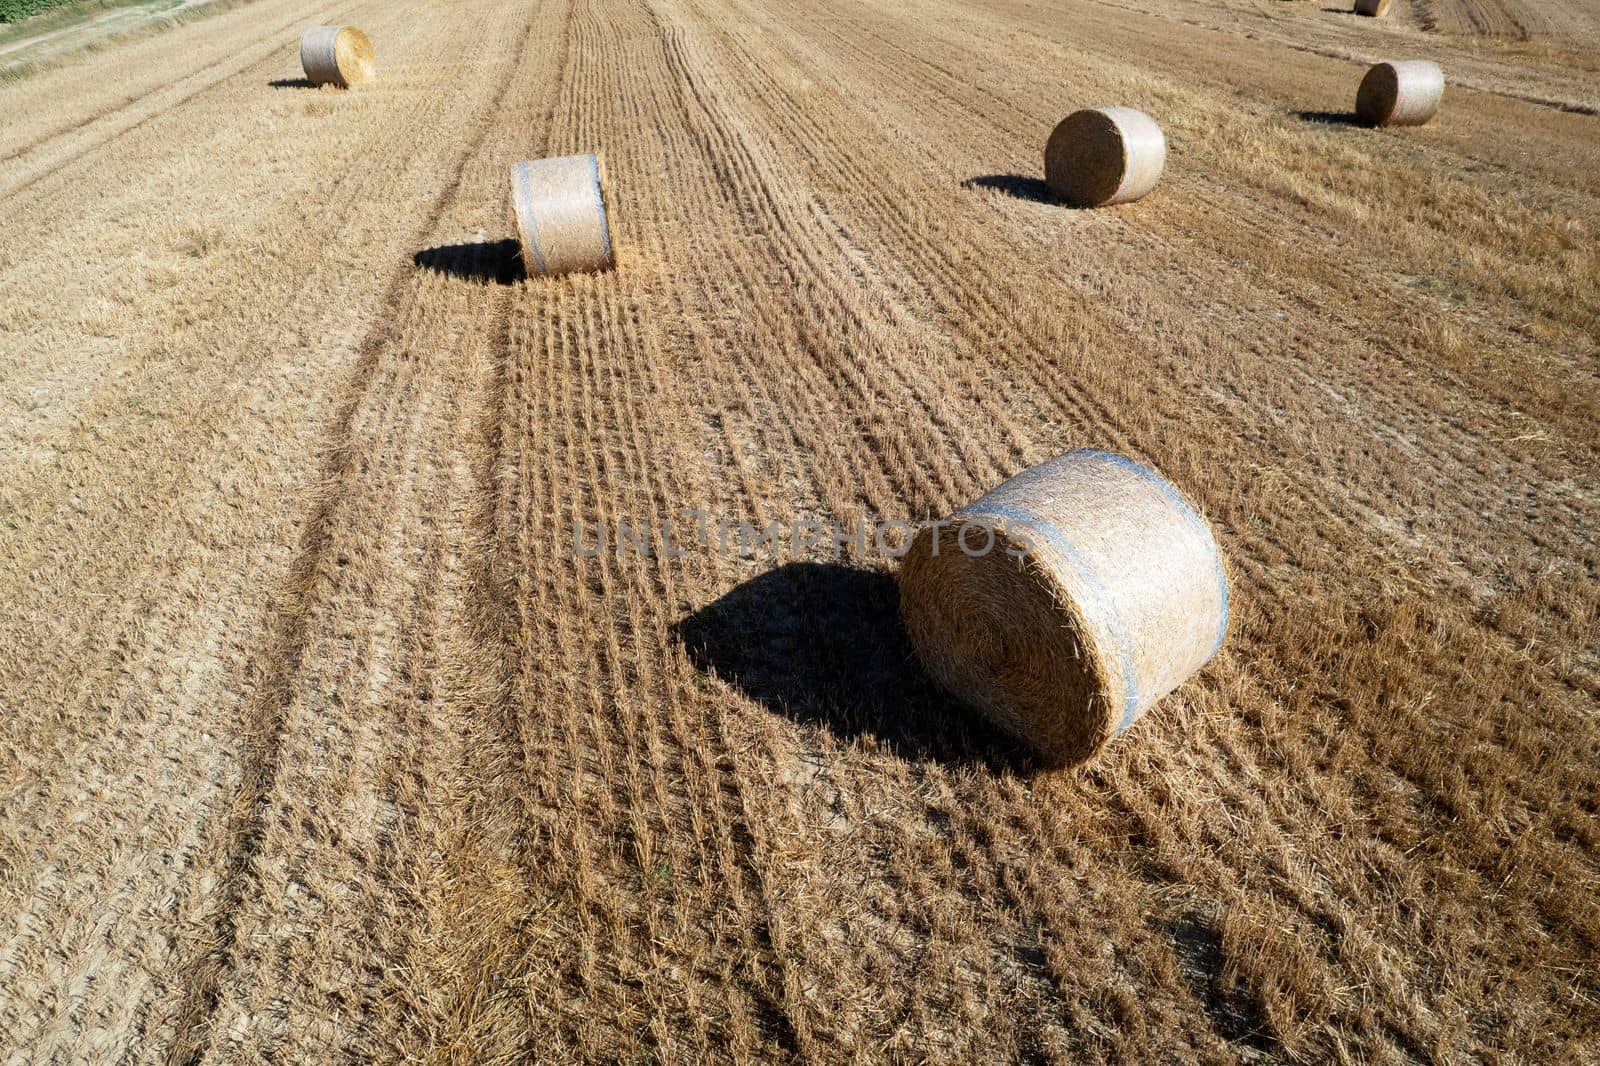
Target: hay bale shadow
x,y
499,262
292,83
822,643
1020,186
1330,118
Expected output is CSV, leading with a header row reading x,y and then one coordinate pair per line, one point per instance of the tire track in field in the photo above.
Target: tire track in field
x,y
442,371
477,659
149,661
495,775
1426,14
805,256
290,634
620,466
1494,18
762,1011
352,183
580,329
821,246
264,721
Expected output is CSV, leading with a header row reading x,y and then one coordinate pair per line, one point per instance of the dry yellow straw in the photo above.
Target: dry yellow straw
x,y
1373,8
1104,155
1404,92
1102,591
336,55
561,214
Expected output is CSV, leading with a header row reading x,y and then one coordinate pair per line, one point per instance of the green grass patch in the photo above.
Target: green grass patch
x,y
24,18
17,10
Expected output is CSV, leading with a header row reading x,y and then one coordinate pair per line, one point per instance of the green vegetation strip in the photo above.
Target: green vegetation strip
x,y
20,18
17,10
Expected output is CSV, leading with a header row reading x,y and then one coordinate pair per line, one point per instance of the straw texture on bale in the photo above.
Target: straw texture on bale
x,y
1104,155
561,214
1101,592
1405,92
1373,8
336,55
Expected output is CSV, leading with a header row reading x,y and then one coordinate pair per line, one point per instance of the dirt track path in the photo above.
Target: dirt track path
x,y
318,739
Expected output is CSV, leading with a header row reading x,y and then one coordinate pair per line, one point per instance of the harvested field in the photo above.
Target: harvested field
x,y
318,740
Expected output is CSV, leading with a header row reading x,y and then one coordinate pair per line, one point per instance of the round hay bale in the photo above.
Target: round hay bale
x,y
1101,590
561,214
1104,155
336,55
1404,92
1373,8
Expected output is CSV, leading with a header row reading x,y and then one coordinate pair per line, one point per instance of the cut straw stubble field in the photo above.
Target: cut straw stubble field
x,y
609,809
138,92
768,194
1555,71
389,550
231,358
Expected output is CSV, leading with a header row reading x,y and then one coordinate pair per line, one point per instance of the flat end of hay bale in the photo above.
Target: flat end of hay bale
x,y
562,216
1066,601
1104,155
993,631
1373,8
357,61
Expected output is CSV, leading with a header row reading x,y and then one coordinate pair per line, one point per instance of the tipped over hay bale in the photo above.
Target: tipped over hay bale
x,y
1373,8
336,55
1401,93
561,214
1102,591
1104,155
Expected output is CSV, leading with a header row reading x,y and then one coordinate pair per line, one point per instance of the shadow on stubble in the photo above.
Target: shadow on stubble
x,y
823,643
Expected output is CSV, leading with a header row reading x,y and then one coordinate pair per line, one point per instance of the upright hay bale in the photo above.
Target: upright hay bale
x,y
1373,8
561,214
336,55
1102,591
1401,93
1104,155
